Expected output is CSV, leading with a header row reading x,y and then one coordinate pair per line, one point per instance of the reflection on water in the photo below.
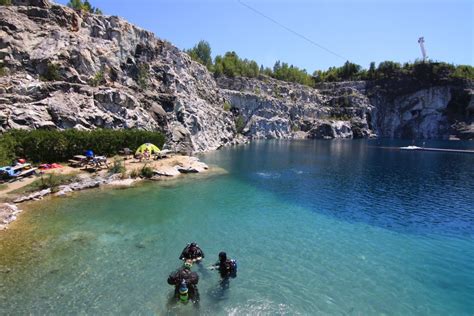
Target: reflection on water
x,y
318,227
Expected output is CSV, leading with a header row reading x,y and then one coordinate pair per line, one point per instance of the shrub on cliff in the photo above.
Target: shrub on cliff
x,y
53,146
143,75
5,2
239,124
463,72
98,79
84,6
51,73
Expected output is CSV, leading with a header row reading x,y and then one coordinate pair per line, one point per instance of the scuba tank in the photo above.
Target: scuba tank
x,y
183,292
233,264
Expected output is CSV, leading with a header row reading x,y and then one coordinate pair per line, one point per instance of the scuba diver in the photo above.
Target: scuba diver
x,y
185,283
227,267
192,252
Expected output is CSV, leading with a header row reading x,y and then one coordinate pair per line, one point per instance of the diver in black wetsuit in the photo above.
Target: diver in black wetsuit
x,y
192,252
185,283
227,267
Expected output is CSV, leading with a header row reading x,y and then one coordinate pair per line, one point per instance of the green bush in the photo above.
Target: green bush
x,y
53,146
83,6
52,73
227,106
143,75
201,53
117,166
135,173
98,79
146,172
5,2
7,149
463,72
239,123
3,70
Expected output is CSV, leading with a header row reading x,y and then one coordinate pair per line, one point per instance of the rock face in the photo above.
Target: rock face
x,y
270,108
439,112
69,69
66,69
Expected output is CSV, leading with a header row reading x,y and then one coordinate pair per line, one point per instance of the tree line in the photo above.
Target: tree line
x,y
83,6
231,65
58,146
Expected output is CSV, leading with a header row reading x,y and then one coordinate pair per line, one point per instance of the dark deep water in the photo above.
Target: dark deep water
x,y
318,227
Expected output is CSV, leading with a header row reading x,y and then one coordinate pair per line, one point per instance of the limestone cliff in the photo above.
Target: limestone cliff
x,y
275,109
69,69
66,69
405,108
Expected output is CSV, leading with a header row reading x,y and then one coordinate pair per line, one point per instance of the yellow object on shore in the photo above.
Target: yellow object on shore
x,y
152,149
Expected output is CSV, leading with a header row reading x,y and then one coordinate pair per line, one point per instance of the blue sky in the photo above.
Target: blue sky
x,y
360,31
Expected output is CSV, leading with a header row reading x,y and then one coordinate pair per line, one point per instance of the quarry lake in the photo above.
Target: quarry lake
x,y
317,227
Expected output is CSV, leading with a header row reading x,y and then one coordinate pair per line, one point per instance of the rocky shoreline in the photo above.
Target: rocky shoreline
x,y
170,168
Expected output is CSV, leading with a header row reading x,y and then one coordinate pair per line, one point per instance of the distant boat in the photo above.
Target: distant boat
x,y
410,148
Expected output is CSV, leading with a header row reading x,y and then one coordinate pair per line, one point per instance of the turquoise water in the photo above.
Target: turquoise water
x,y
317,227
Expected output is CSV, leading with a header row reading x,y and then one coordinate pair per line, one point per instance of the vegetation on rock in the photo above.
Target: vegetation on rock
x,y
98,79
239,124
231,65
83,6
143,75
201,53
51,73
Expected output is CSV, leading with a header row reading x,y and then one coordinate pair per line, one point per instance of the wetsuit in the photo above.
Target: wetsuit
x,y
191,278
227,268
191,251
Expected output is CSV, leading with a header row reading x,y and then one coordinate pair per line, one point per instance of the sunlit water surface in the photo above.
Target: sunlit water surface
x,y
317,227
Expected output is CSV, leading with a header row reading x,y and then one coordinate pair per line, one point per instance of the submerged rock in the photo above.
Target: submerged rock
x,y
8,214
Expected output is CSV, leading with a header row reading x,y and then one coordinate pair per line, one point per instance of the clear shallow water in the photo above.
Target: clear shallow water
x,y
328,227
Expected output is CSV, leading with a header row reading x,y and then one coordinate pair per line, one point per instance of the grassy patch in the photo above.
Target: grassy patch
x,y
48,181
146,172
3,186
117,166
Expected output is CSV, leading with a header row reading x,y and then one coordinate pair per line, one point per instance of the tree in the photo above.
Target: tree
x,y
201,53
83,6
349,71
371,71
387,69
